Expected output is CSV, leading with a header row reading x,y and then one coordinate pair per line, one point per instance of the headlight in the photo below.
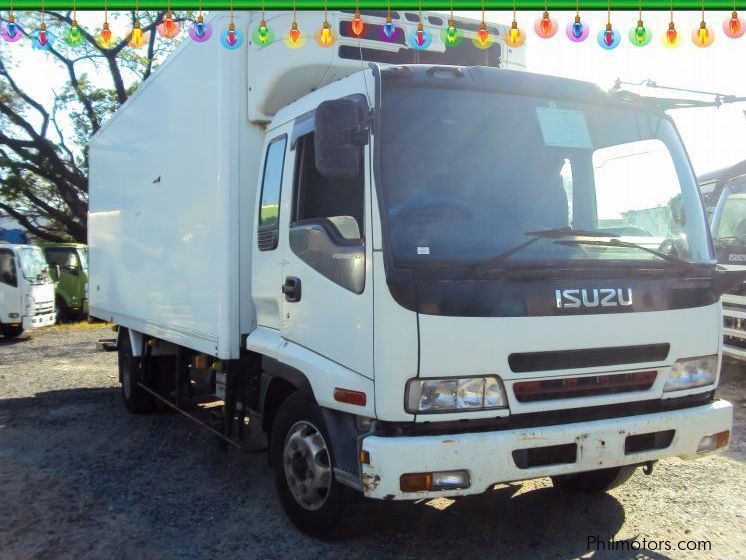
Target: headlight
x,y
692,372
454,394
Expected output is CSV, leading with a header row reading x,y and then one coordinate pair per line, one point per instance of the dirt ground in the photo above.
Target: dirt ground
x,y
82,478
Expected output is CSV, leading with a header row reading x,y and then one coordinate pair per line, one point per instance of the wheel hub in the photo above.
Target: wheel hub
x,y
307,465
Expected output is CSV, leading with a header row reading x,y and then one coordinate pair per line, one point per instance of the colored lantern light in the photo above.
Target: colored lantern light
x,y
263,35
640,35
294,39
11,31
451,35
546,26
388,30
43,39
137,37
515,37
734,27
671,37
168,28
325,36
609,38
231,38
105,38
421,38
577,30
73,37
703,36
482,39
200,32
357,25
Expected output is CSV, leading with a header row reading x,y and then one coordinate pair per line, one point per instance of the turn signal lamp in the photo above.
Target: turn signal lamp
x,y
433,481
349,396
713,442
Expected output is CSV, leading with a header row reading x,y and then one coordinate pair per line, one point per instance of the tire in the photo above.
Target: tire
x,y
61,310
136,399
299,451
594,482
11,332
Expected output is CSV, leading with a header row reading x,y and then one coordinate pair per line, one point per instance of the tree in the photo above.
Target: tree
x,y
44,148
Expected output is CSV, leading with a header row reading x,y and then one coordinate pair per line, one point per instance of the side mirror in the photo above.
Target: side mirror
x,y
724,280
340,133
321,247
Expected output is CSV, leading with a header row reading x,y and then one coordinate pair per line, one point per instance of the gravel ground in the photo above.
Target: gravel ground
x,y
82,478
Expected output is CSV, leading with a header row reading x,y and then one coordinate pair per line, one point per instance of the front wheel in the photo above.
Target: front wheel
x,y
594,482
303,468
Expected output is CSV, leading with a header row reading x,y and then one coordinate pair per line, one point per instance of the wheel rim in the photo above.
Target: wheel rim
x,y
307,465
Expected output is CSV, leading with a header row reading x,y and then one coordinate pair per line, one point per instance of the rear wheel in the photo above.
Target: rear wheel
x,y
594,482
11,332
303,468
136,399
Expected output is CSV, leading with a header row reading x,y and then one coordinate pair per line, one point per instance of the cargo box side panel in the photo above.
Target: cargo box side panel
x,y
160,187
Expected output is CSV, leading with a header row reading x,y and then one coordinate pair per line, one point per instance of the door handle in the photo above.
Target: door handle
x,y
291,288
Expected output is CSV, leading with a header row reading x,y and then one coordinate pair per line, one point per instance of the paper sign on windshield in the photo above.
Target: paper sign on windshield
x,y
564,128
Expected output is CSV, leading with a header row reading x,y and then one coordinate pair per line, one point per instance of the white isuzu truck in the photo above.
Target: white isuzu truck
x,y
410,273
26,290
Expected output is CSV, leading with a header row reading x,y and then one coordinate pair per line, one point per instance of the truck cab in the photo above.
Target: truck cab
x,y
26,290
68,267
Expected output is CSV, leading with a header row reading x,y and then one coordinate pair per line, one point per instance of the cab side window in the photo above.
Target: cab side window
x,y
64,258
338,203
269,205
8,268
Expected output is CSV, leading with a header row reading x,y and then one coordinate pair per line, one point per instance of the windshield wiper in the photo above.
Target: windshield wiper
x,y
629,245
536,236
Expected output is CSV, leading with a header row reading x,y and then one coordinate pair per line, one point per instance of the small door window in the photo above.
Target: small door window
x,y
8,268
269,205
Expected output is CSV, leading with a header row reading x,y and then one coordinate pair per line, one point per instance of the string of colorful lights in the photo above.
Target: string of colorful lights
x,y
420,38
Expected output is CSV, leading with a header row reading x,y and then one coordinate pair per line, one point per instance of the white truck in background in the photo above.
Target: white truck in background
x,y
26,290
409,274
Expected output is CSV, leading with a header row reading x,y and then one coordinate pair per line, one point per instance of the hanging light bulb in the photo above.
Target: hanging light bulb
x,y
73,36
421,38
104,38
671,36
577,30
451,35
640,35
703,36
515,37
325,36
546,26
262,34
357,25
388,29
734,26
168,28
482,39
294,38
11,31
231,38
137,37
43,39
200,32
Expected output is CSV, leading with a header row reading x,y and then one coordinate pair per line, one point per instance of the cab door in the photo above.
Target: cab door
x,y
10,294
327,287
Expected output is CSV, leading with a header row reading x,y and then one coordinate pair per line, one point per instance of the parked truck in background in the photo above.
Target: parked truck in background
x,y
68,266
26,290
729,237
409,274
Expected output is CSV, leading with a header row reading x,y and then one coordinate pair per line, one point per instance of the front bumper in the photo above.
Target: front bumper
x,y
36,321
488,456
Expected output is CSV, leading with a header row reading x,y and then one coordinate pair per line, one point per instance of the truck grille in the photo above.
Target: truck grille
x,y
587,386
587,357
42,308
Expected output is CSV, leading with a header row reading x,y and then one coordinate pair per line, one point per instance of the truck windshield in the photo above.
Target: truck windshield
x,y
33,264
729,225
470,175
83,256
